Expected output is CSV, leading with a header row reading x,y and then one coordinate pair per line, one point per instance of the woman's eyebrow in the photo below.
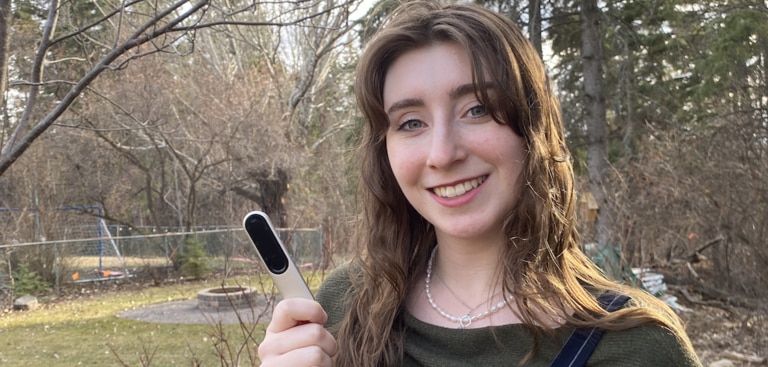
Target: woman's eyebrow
x,y
405,103
462,90
469,88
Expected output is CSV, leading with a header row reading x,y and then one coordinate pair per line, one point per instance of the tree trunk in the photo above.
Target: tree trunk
x,y
534,24
273,187
594,102
5,34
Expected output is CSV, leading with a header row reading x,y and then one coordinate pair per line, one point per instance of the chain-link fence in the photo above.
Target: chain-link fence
x,y
128,252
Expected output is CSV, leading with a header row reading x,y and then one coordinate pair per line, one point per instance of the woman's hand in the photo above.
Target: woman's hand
x,y
296,336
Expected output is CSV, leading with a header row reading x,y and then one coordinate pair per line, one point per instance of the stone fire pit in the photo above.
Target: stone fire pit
x,y
226,298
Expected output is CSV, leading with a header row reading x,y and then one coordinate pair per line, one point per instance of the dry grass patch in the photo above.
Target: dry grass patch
x,y
85,331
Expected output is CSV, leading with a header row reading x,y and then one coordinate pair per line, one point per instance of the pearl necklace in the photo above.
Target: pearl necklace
x,y
466,320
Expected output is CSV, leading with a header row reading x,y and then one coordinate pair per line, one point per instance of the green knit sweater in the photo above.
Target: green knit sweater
x,y
507,345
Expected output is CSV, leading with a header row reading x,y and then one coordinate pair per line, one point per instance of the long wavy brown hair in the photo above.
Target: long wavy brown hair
x,y
544,266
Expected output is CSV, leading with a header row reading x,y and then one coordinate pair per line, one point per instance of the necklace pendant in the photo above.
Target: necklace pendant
x,y
465,321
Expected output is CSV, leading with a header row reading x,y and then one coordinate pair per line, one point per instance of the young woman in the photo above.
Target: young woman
x,y
469,252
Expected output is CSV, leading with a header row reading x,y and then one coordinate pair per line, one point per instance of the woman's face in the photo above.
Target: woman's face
x,y
456,165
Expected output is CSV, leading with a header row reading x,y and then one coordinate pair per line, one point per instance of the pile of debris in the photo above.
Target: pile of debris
x,y
608,258
654,284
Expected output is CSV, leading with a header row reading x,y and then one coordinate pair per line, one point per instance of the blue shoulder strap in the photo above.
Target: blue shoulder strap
x,y
582,342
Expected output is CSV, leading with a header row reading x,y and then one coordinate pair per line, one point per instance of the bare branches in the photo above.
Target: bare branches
x,y
37,74
105,18
166,29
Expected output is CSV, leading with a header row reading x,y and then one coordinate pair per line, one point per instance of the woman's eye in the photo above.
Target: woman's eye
x,y
477,111
411,125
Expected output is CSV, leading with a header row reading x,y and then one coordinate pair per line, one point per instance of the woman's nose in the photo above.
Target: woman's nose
x,y
446,146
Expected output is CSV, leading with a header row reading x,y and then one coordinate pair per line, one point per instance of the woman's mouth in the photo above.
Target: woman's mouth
x,y
458,189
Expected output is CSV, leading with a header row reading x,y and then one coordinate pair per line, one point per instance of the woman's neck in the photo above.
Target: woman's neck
x,y
472,272
472,264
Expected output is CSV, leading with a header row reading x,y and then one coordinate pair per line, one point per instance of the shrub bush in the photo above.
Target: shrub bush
x,y
26,281
193,260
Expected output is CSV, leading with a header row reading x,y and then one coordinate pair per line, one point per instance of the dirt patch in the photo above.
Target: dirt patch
x,y
718,332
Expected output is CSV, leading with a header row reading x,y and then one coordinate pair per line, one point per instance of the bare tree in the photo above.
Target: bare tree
x,y
305,87
217,134
141,28
5,34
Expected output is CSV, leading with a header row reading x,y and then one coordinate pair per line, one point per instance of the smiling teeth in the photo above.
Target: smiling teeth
x,y
458,190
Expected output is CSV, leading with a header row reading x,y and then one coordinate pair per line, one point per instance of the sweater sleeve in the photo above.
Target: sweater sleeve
x,y
332,295
650,345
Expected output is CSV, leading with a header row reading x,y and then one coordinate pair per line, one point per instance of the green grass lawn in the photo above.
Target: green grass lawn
x,y
87,332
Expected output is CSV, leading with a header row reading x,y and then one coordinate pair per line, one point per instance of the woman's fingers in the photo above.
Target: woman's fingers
x,y
296,336
310,338
308,356
293,311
